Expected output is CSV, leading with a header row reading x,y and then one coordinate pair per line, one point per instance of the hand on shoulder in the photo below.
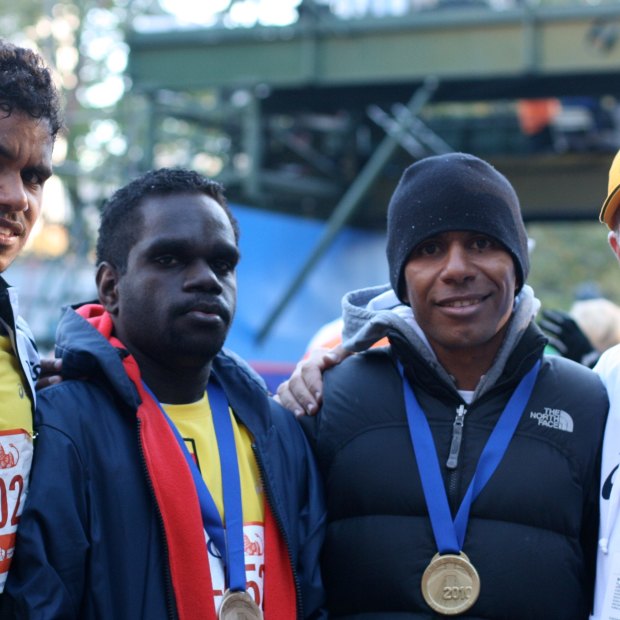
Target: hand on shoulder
x,y
50,373
302,393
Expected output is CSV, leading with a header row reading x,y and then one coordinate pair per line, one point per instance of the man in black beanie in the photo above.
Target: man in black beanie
x,y
461,463
453,192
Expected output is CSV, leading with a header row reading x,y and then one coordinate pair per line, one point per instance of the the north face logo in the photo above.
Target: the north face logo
x,y
553,418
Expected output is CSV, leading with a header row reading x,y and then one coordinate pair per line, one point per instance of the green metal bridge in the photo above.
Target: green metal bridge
x,y
320,117
294,114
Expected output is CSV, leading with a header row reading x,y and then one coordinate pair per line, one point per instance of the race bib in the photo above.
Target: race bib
x,y
15,462
254,550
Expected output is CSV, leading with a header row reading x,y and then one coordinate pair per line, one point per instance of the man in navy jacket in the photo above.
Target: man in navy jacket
x,y
166,484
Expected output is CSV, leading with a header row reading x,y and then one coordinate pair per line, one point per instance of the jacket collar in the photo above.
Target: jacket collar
x,y
364,325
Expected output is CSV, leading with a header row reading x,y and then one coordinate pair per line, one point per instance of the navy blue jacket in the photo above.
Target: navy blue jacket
x,y
91,543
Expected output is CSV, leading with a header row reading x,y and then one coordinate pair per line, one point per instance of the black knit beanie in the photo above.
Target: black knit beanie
x,y
449,193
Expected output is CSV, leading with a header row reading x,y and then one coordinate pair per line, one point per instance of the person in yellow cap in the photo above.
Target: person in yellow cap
x,y
607,589
609,210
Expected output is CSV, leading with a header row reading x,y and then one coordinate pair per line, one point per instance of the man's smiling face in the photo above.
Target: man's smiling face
x,y
26,146
461,286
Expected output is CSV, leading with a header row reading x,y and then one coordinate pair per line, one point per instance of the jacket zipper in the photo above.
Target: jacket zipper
x,y
276,516
457,437
171,604
454,473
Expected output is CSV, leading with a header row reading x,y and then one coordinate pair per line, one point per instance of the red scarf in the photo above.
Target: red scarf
x,y
177,500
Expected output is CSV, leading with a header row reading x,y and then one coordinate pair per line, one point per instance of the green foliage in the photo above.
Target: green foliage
x,y
569,257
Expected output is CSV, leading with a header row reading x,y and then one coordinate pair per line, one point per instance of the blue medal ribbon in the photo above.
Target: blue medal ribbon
x,y
229,539
450,534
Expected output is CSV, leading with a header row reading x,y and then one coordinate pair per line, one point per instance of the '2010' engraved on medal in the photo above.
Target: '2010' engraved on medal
x,y
457,593
450,584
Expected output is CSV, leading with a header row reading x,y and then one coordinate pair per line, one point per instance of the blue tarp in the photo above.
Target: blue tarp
x,y
274,247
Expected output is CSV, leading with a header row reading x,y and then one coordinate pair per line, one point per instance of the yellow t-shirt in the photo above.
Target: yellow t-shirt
x,y
194,422
16,410
15,449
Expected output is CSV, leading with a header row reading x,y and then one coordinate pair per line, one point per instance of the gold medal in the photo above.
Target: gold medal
x,y
239,605
450,584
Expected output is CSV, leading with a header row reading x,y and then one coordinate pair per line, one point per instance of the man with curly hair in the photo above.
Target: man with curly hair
x,y
30,119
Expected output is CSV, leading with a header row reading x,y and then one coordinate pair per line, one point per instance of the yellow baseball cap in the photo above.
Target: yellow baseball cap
x,y
612,202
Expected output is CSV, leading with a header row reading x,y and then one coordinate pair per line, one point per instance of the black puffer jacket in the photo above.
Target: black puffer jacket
x,y
532,531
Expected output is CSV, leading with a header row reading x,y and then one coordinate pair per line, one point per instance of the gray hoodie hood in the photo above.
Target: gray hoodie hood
x,y
370,314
